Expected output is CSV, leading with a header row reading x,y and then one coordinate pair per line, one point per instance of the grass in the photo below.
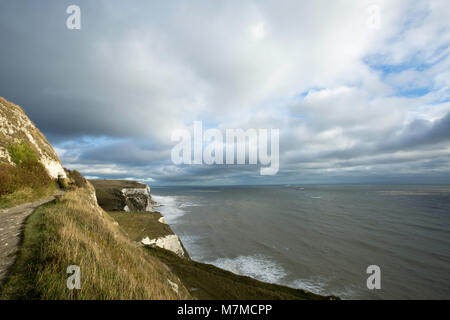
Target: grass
x,y
138,225
75,231
142,224
26,194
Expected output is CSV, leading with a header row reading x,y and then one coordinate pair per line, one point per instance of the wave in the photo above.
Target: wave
x,y
189,204
170,208
320,286
256,266
314,286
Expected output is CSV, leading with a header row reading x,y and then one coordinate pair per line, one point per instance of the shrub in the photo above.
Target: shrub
x,y
27,173
33,174
21,152
78,179
6,179
62,182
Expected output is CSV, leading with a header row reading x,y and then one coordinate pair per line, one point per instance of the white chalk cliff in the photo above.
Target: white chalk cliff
x,y
16,127
138,199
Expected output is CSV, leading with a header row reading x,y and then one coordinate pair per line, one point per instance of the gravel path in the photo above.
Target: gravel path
x,y
11,231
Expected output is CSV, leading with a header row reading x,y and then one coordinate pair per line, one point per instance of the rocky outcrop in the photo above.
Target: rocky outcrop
x,y
133,196
170,242
16,127
137,199
123,195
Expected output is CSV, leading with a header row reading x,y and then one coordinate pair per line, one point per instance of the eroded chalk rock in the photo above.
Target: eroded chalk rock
x,y
173,285
170,242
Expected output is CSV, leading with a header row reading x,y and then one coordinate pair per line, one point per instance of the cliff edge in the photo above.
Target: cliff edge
x,y
131,204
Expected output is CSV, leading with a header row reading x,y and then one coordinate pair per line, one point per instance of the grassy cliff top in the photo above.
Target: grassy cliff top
x,y
116,184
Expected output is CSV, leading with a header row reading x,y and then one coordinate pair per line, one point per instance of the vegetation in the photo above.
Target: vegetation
x,y
139,225
142,224
75,231
76,178
21,152
25,180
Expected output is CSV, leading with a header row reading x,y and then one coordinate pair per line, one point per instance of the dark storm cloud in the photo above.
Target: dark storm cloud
x,y
127,152
421,132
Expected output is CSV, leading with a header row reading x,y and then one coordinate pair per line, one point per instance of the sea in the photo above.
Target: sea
x,y
321,238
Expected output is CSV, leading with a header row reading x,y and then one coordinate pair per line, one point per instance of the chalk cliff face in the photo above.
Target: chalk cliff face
x,y
138,199
123,195
16,127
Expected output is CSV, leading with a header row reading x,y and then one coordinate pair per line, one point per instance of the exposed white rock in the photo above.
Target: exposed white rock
x,y
53,167
126,208
173,285
132,191
5,155
170,242
162,220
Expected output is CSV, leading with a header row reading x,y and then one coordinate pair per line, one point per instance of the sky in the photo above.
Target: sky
x,y
359,90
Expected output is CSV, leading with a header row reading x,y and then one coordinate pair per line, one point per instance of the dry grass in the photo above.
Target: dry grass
x,y
142,224
26,194
75,231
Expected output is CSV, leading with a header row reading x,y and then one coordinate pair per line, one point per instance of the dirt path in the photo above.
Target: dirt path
x,y
11,230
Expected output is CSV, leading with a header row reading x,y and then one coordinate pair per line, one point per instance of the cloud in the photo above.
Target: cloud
x,y
350,101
